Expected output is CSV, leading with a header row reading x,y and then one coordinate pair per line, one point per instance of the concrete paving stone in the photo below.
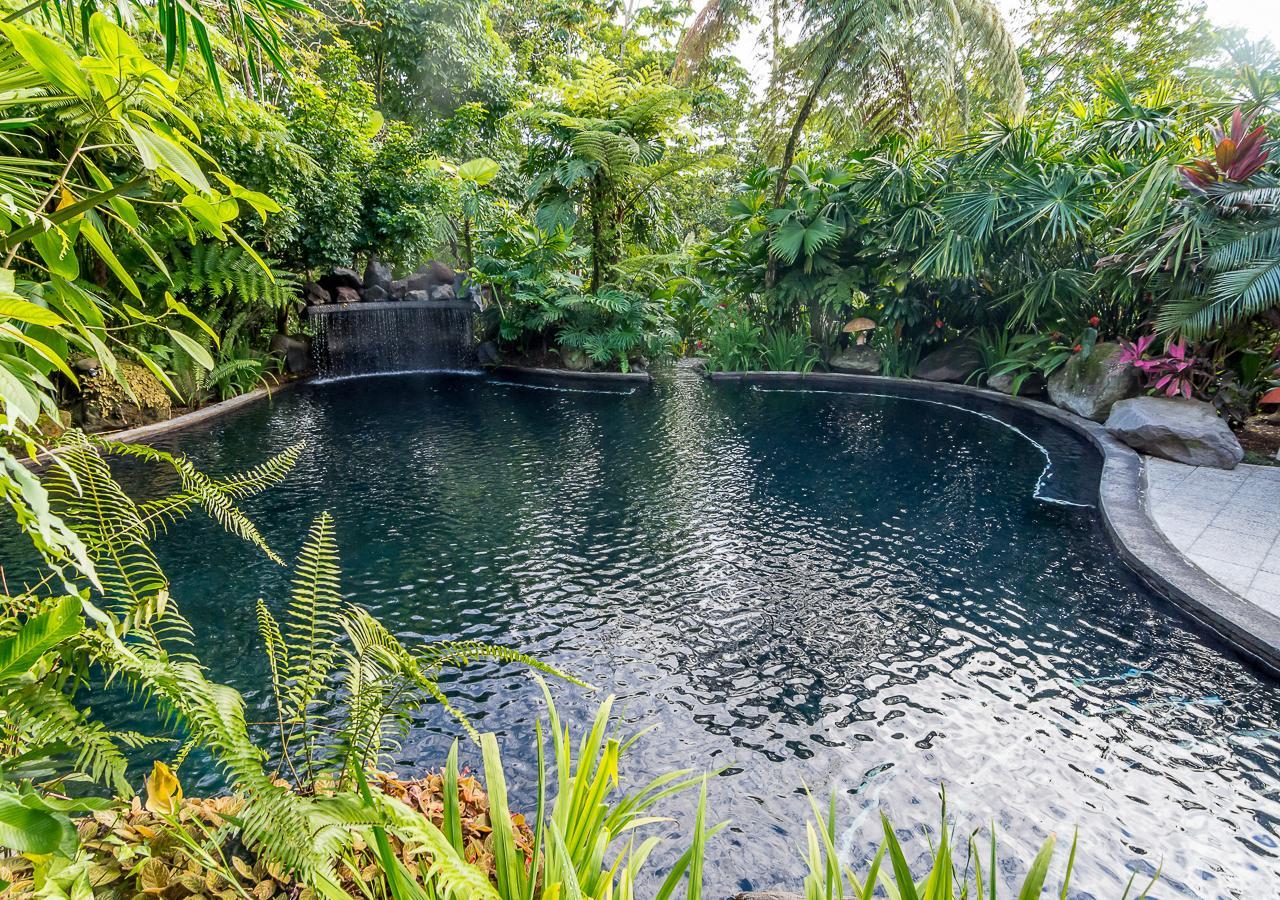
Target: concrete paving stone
x,y
1267,583
1218,477
1182,540
1167,474
1249,497
1272,562
1235,578
1264,525
1233,547
1266,601
1225,522
1203,494
1264,474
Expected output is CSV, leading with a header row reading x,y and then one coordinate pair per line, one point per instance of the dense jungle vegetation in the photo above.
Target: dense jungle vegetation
x,y
620,188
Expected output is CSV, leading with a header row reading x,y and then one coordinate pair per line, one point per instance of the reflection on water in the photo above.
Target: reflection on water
x,y
854,593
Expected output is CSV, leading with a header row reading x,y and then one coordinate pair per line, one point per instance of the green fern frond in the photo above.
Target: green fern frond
x,y
312,615
436,656
275,822
167,510
84,495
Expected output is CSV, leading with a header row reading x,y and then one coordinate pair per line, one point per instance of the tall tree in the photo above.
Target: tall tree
x,y
878,65
1070,43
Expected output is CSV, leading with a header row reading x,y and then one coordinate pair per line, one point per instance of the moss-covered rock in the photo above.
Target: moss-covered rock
x,y
104,404
1090,384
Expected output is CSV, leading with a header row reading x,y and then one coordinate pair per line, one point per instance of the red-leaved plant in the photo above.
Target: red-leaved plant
x,y
1172,374
1236,155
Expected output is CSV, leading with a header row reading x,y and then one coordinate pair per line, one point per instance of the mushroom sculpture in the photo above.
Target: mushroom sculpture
x,y
861,327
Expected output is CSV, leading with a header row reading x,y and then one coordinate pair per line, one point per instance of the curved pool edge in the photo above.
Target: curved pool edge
x,y
567,378
1122,502
144,433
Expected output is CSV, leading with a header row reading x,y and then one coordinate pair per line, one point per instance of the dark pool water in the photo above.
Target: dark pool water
x,y
863,594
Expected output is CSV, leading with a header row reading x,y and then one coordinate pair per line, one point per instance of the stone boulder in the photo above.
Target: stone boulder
x,y
443,292
1090,385
377,274
575,360
487,353
420,281
375,294
346,294
293,355
953,362
1032,385
443,272
858,359
399,288
342,278
315,295
417,296
1185,431
104,405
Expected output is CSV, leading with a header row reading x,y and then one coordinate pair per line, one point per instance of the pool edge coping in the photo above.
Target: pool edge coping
x,y
568,377
144,433
1122,502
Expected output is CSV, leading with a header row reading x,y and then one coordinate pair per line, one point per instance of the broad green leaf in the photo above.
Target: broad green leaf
x,y
213,215
160,374
54,358
1039,870
21,400
159,154
478,171
192,348
39,634
185,311
29,830
48,57
14,307
103,249
57,250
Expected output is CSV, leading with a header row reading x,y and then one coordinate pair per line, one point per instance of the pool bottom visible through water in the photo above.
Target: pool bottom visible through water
x,y
860,594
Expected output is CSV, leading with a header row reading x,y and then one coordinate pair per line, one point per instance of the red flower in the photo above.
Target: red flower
x,y
1077,348
698,344
1093,321
937,323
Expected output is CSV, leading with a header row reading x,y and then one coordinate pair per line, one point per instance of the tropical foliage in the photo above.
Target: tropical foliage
x,y
616,188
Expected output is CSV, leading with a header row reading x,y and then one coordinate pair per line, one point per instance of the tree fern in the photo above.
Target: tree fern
x,y
218,270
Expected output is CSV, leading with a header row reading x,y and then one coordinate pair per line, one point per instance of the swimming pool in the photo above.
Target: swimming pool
x,y
862,593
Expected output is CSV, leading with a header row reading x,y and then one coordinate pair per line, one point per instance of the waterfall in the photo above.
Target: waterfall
x,y
392,336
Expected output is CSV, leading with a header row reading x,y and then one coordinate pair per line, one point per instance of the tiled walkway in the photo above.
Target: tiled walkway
x,y
1227,523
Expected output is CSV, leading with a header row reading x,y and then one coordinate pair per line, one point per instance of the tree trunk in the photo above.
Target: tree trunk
x,y
814,306
597,235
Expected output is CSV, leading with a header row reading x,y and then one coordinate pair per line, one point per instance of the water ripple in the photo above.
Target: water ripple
x,y
855,593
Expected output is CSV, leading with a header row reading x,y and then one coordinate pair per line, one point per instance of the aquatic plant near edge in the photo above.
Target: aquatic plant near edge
x,y
889,871
572,839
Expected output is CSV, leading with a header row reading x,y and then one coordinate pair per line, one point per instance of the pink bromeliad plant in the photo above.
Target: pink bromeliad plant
x,y
1171,374
1238,154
